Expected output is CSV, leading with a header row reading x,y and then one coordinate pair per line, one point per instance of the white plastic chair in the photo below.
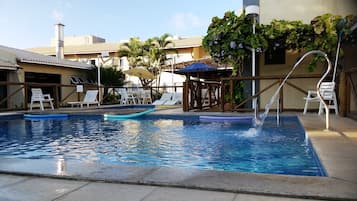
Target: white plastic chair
x,y
146,97
164,98
176,99
125,98
327,90
38,96
89,99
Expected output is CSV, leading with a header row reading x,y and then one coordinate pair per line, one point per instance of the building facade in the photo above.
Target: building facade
x,y
88,49
21,70
305,11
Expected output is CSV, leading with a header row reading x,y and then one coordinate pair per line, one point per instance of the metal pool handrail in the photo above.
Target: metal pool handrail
x,y
329,67
268,105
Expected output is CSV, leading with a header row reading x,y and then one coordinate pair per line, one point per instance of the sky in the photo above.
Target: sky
x,y
30,23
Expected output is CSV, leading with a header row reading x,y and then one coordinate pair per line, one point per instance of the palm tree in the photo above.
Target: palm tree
x,y
134,50
156,52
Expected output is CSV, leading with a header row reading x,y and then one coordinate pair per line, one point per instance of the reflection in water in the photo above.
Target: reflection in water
x,y
160,142
61,166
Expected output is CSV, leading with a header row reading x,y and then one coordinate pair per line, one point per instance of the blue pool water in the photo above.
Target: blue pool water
x,y
175,141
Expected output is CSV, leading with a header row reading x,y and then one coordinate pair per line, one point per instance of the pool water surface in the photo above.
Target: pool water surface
x,y
164,140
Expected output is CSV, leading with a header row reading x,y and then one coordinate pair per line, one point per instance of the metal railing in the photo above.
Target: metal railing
x,y
227,89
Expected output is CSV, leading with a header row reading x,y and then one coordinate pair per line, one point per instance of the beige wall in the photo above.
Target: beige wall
x,y
293,99
17,101
304,10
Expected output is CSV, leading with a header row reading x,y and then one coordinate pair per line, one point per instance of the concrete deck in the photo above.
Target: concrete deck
x,y
60,180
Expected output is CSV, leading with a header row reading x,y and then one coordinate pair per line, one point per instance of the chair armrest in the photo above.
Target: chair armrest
x,y
47,96
311,93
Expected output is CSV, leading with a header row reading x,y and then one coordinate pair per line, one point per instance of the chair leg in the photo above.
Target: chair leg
x,y
31,105
335,103
306,105
41,106
52,105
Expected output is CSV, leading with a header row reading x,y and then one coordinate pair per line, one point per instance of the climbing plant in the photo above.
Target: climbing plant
x,y
229,39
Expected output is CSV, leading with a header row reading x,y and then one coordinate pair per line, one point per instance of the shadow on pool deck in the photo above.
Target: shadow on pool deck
x,y
336,149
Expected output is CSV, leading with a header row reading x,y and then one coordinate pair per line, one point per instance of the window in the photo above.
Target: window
x,y
275,56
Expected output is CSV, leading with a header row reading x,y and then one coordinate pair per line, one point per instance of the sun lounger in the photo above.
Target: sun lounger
x,y
176,99
89,99
125,97
164,98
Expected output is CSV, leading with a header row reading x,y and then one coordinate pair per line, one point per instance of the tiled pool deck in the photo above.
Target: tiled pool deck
x,y
22,179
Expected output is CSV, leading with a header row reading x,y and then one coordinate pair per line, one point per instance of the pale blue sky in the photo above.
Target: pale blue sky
x,y
30,23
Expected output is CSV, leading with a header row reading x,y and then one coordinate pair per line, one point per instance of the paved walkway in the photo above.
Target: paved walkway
x,y
20,180
28,188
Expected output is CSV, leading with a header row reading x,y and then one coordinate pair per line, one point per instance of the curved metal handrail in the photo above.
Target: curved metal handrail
x,y
319,92
268,105
329,67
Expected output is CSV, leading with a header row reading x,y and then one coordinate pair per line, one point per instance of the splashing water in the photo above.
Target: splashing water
x,y
259,120
251,132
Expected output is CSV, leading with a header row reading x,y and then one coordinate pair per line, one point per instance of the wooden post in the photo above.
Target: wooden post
x,y
26,95
185,103
199,95
343,93
223,91
231,92
56,96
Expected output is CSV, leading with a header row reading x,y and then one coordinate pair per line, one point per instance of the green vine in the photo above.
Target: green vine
x,y
229,39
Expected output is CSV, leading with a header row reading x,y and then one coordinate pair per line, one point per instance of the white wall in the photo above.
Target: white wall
x,y
304,10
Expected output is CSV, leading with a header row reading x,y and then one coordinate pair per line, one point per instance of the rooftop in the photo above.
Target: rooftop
x,y
36,58
111,47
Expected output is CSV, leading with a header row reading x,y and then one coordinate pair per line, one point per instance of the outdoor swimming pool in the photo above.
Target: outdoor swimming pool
x,y
163,140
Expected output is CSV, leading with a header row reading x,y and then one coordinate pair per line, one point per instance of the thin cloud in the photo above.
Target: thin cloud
x,y
4,20
64,3
68,4
57,15
184,21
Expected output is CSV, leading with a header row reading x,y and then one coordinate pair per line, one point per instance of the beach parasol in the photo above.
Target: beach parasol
x,y
196,68
140,72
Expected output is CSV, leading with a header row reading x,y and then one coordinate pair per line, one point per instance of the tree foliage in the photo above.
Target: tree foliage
x,y
149,54
110,76
229,39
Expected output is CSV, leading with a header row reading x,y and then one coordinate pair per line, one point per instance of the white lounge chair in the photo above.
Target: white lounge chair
x,y
89,99
38,96
164,98
176,99
327,90
125,98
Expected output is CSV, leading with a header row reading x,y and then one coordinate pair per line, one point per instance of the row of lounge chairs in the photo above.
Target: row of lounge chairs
x,y
144,97
37,96
91,98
